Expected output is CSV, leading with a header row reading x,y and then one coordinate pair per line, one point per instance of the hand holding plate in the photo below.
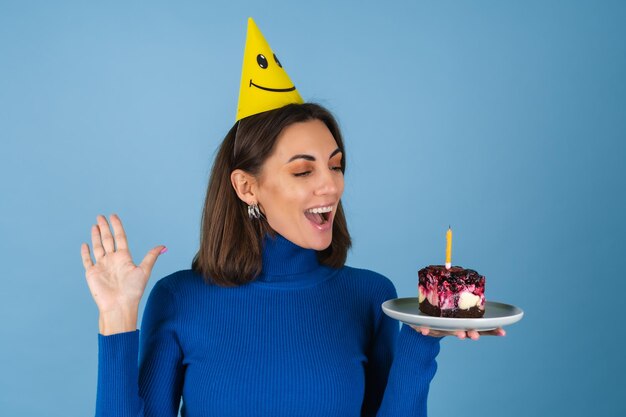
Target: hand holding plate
x,y
461,334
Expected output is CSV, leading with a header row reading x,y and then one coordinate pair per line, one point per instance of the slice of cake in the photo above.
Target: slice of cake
x,y
454,292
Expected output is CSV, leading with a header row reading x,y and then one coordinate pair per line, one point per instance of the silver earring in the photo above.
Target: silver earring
x,y
253,211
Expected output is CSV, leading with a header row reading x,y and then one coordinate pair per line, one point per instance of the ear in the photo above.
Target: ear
x,y
244,185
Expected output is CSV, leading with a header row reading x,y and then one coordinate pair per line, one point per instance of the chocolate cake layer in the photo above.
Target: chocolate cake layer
x,y
429,309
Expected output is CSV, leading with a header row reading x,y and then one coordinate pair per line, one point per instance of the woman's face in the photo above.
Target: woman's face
x,y
300,184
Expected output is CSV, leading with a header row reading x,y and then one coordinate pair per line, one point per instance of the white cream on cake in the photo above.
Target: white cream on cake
x,y
433,298
468,300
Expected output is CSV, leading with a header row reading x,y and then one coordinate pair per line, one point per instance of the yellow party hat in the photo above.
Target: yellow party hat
x,y
265,84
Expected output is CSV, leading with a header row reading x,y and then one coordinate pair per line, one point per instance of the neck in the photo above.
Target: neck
x,y
286,264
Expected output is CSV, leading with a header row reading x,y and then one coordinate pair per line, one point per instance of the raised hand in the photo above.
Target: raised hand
x,y
115,282
461,334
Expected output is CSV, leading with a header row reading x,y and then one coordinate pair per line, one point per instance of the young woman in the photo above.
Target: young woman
x,y
269,321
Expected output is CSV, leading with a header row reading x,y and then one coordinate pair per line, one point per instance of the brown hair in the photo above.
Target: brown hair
x,y
231,243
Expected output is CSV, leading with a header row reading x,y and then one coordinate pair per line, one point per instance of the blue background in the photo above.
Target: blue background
x,y
505,119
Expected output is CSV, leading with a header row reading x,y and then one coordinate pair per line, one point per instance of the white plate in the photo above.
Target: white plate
x,y
496,315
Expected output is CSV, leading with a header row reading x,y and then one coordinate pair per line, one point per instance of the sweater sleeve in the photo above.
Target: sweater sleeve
x,y
400,367
152,389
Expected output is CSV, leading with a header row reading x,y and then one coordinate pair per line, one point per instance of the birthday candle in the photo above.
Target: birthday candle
x,y
449,248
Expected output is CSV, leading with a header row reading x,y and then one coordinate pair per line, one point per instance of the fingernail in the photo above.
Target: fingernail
x,y
163,250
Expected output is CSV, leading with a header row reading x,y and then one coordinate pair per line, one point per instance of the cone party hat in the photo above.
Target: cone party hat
x,y
265,84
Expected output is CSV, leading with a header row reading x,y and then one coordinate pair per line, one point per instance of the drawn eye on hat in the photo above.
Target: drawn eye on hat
x,y
262,61
277,61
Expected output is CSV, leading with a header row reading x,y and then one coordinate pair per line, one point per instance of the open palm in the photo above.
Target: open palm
x,y
115,282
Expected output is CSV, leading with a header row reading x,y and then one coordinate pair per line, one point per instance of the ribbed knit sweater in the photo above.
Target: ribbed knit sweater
x,y
303,339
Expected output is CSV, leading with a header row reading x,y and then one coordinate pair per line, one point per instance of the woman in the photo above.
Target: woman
x,y
269,321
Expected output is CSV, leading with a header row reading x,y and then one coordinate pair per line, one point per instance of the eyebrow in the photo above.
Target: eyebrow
x,y
311,157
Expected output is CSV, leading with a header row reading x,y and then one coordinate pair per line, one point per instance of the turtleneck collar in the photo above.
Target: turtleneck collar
x,y
286,264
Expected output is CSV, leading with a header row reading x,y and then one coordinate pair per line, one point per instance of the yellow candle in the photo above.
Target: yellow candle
x,y
449,248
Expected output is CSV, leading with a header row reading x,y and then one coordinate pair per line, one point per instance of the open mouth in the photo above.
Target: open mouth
x,y
276,90
319,215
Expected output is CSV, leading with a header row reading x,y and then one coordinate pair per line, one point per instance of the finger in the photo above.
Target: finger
x,y
148,261
425,331
84,253
460,334
473,334
119,233
105,232
422,330
96,242
495,332
439,333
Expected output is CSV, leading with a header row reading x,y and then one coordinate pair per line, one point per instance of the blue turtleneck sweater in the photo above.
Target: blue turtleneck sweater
x,y
302,339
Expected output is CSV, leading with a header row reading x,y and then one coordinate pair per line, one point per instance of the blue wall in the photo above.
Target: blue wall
x,y
505,119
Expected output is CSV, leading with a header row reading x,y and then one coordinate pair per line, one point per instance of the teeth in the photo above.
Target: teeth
x,y
320,209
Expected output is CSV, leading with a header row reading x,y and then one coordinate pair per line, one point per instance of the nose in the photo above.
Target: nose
x,y
330,183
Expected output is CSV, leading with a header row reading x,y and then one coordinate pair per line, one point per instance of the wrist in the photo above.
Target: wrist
x,y
118,321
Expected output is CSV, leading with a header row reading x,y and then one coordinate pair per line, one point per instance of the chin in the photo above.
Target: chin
x,y
319,244
322,246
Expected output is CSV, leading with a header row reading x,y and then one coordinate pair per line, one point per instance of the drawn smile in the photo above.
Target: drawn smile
x,y
276,90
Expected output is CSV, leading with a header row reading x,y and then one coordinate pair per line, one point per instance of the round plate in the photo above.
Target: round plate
x,y
496,315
